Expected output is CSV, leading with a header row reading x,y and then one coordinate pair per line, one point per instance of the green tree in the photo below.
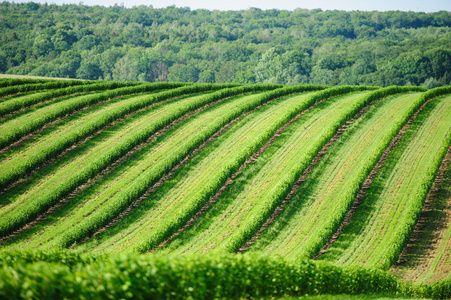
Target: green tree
x,y
87,42
90,67
127,67
207,76
3,65
42,45
108,59
321,76
431,83
269,68
183,73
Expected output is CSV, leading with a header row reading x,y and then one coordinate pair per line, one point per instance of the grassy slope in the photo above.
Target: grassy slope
x,y
384,221
180,197
233,216
324,199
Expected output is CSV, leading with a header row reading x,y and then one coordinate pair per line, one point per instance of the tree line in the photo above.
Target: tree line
x,y
248,46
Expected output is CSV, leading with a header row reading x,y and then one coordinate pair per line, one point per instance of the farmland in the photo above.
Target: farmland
x,y
259,190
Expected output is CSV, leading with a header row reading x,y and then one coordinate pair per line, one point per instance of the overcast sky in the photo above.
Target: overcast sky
x,y
349,5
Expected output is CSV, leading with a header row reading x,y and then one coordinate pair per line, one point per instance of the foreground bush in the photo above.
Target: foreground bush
x,y
70,275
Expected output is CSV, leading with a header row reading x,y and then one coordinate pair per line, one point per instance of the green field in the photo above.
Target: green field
x,y
173,190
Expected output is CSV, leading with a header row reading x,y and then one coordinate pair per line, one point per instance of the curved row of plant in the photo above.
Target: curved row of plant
x,y
153,163
374,238
210,173
55,84
19,163
27,205
238,141
236,216
426,257
5,82
133,177
66,275
12,105
331,188
147,172
15,128
32,197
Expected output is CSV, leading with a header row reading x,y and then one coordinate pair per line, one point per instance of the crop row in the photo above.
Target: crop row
x,y
118,190
250,206
12,105
237,216
47,144
57,84
243,131
21,163
233,148
157,162
426,257
330,190
14,129
45,188
34,202
5,82
384,221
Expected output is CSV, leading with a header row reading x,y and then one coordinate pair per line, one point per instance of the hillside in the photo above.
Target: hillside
x,y
190,174
249,46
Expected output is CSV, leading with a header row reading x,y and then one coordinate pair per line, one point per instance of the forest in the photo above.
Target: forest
x,y
248,46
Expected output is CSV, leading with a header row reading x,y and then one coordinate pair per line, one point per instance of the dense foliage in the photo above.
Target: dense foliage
x,y
248,46
68,275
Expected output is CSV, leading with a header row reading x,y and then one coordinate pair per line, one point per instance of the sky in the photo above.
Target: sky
x,y
348,5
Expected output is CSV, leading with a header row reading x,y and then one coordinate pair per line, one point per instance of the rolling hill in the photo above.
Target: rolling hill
x,y
222,190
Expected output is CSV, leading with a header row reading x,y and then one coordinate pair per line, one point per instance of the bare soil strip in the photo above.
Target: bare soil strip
x,y
301,180
106,171
71,148
369,181
421,254
56,121
232,178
